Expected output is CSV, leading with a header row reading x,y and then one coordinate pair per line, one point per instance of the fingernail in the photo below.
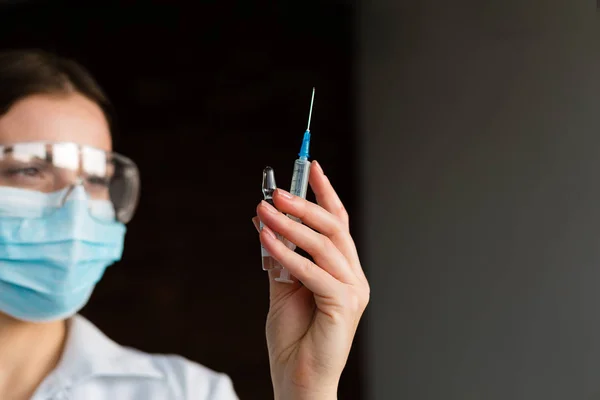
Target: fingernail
x,y
285,194
269,207
318,167
268,231
256,224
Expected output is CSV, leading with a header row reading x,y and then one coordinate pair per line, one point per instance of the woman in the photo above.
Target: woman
x,y
64,201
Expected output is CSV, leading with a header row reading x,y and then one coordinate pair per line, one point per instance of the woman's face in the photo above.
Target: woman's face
x,y
69,118
56,119
61,118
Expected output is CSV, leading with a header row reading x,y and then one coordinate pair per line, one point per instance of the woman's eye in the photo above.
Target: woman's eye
x,y
28,172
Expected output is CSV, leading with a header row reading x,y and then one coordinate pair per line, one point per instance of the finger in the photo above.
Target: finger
x,y
323,221
314,278
320,247
276,290
326,195
311,214
328,198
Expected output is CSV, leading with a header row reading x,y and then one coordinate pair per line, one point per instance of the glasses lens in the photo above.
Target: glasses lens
x,y
37,178
124,187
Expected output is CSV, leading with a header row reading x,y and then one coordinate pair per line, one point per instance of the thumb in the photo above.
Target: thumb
x,y
278,290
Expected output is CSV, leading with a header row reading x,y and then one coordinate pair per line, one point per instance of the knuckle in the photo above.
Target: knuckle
x,y
340,234
307,266
355,303
339,225
302,208
325,245
337,229
366,293
360,300
343,213
365,299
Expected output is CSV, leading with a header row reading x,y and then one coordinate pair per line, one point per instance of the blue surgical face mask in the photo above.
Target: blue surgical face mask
x,y
51,258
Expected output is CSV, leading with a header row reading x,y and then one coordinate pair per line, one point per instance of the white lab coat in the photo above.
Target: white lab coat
x,y
93,367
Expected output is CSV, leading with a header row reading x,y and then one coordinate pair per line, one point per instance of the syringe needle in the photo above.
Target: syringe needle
x,y
299,185
312,100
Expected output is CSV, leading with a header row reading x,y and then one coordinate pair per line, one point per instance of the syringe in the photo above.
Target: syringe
x,y
299,183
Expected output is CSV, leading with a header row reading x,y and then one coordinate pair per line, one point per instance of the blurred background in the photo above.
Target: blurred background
x,y
464,138
207,94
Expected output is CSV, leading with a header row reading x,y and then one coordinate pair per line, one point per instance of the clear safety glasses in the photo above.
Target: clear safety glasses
x,y
52,170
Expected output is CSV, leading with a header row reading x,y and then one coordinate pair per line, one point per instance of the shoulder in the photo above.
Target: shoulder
x,y
190,380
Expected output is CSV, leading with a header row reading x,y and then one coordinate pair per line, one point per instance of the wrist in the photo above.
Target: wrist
x,y
305,387
306,394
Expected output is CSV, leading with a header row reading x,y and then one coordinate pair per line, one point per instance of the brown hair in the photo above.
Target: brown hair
x,y
27,72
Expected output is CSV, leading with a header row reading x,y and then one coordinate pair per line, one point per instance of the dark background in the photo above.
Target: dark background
x,y
207,95
473,181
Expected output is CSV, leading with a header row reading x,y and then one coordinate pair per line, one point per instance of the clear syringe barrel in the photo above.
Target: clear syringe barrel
x,y
300,177
299,188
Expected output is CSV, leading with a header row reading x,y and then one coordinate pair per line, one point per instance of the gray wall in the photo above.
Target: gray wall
x,y
481,185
